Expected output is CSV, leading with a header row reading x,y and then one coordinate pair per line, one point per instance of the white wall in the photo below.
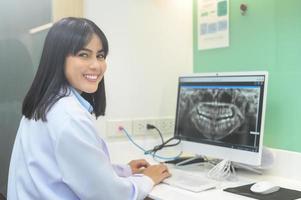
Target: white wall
x,y
150,44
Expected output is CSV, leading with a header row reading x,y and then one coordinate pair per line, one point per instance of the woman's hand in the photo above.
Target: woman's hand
x,y
157,173
138,166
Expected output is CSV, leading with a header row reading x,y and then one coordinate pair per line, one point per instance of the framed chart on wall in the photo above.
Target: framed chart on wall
x,y
213,24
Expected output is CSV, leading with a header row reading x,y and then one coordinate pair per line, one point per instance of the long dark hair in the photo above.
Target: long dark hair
x,y
65,37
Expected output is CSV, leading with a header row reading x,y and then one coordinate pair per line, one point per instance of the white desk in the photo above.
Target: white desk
x,y
163,191
285,172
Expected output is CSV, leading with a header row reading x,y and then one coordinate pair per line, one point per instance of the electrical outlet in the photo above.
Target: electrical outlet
x,y
165,125
139,126
113,128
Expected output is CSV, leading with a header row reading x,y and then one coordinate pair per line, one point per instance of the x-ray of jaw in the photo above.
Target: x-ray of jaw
x,y
218,112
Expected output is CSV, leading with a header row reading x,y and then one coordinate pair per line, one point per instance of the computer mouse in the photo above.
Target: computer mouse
x,y
264,187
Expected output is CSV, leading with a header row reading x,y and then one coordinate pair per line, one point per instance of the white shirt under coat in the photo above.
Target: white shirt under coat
x,y
65,159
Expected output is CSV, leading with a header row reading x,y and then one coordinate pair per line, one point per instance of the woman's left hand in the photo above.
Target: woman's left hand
x,y
137,166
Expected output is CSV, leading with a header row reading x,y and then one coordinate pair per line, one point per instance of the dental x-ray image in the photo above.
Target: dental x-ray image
x,y
226,115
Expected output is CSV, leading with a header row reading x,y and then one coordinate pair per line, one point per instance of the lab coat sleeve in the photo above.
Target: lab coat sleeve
x,y
86,168
122,170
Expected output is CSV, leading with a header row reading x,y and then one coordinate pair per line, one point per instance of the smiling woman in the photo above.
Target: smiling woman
x,y
71,36
85,70
58,153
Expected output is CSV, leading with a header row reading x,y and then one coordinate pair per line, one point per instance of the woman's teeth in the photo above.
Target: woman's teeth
x,y
91,77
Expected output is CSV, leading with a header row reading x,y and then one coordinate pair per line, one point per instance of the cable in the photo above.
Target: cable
x,y
130,138
222,171
164,144
154,150
150,126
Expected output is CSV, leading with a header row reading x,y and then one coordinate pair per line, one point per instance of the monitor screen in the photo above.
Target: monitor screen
x,y
222,115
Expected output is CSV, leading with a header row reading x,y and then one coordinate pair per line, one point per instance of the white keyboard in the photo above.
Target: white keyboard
x,y
189,181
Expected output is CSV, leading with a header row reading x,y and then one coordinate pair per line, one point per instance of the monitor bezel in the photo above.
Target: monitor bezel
x,y
235,155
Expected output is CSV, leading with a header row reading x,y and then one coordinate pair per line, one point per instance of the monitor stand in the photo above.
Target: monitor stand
x,y
267,161
247,167
226,169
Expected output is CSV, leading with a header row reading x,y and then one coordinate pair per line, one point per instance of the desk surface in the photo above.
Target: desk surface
x,y
166,192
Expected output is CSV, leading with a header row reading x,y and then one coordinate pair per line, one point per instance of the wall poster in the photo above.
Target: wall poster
x,y
213,24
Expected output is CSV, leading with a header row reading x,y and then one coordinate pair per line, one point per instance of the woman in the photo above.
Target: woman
x,y
57,153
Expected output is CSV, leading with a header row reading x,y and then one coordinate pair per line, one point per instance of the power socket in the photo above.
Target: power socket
x,y
165,125
139,126
113,128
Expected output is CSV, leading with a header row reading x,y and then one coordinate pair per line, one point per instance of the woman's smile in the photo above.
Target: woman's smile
x,y
91,77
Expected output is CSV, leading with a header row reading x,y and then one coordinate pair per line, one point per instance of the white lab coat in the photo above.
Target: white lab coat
x,y
65,159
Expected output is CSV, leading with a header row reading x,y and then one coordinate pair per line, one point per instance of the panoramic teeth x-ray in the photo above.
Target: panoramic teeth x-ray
x,y
216,113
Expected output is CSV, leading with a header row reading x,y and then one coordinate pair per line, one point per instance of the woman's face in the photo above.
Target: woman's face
x,y
85,70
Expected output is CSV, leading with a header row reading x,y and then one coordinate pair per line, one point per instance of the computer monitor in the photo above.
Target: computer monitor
x,y
221,115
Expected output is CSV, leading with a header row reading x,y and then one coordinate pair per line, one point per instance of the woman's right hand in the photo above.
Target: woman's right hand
x,y
157,173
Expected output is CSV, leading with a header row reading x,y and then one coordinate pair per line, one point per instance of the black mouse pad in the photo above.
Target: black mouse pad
x,y
281,194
